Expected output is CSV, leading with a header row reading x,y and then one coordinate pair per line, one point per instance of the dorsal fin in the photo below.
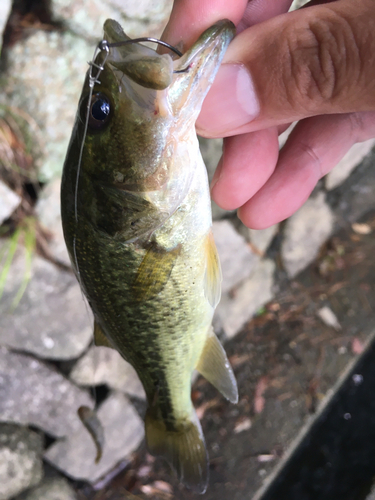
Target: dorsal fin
x,y
214,366
100,337
212,279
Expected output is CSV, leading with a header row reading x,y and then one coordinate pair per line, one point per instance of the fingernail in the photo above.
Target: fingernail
x,y
230,103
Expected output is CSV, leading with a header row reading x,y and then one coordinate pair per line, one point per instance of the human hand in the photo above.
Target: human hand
x,y
315,65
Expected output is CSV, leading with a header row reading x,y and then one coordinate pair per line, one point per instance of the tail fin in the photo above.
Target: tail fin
x,y
184,449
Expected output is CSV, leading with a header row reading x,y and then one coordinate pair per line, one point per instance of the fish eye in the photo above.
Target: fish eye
x,y
99,111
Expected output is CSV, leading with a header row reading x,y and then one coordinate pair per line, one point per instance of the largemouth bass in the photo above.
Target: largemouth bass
x,y
137,223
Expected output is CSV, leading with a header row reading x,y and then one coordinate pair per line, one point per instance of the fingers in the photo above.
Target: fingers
x,y
258,11
247,162
314,147
318,60
189,18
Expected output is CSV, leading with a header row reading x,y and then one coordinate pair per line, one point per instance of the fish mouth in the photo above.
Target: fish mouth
x,y
213,42
156,71
195,71
142,65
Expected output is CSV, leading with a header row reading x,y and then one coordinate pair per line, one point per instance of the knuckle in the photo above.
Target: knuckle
x,y
322,54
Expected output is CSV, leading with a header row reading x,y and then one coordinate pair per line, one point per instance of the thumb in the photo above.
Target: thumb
x,y
318,60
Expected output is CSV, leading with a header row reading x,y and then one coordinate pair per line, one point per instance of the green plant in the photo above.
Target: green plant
x,y
26,234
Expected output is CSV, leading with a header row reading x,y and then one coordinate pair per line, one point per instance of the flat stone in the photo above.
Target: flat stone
x,y
52,319
123,432
9,201
51,488
101,365
5,8
237,308
49,215
304,234
262,238
350,161
58,62
236,258
137,17
21,464
211,150
32,393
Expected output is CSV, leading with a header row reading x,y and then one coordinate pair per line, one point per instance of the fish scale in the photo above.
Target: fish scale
x,y
137,223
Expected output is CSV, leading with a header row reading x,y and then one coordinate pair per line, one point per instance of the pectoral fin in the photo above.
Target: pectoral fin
x,y
154,271
212,279
214,366
100,337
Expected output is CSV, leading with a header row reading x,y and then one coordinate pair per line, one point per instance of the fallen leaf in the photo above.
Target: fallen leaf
x,y
329,318
361,228
259,400
357,346
242,425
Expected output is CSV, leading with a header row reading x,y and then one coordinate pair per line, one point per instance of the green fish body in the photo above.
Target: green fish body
x,y
137,223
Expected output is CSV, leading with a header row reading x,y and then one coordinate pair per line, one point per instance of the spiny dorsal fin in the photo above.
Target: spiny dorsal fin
x,y
100,337
212,279
183,447
154,271
214,366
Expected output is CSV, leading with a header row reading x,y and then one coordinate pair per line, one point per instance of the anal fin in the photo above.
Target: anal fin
x,y
100,337
214,366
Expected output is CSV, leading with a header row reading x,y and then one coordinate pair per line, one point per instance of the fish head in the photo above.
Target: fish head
x,y
135,130
140,98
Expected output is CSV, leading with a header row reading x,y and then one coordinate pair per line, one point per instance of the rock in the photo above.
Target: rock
x,y
123,432
351,160
304,233
236,258
44,78
137,17
262,238
20,459
371,495
101,365
51,488
32,393
52,319
237,308
5,8
9,201
211,150
48,212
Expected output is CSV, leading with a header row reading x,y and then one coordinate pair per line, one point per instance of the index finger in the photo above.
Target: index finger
x,y
189,18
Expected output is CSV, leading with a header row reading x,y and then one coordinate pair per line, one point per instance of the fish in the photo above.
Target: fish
x,y
136,216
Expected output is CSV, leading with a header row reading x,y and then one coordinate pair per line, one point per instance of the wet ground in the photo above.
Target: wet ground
x,y
285,360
